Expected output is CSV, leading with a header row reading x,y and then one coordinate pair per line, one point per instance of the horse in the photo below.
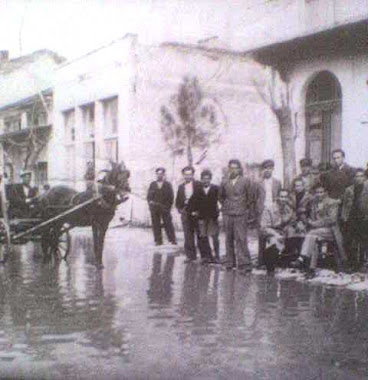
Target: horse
x,y
111,191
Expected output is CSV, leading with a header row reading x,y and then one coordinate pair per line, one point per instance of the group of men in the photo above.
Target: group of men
x,y
198,205
325,205
326,209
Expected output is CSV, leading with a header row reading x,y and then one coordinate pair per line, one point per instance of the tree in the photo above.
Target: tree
x,y
276,93
31,142
191,120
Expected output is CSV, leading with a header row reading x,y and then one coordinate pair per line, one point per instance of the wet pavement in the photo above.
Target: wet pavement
x,y
147,315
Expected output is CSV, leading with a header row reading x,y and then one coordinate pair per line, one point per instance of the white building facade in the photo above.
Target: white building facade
x,y
92,103
320,49
107,105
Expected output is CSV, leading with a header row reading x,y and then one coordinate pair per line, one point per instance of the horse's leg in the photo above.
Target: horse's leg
x,y
54,240
95,236
103,229
100,228
96,242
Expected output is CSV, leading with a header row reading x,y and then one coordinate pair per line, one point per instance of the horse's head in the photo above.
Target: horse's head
x,y
115,183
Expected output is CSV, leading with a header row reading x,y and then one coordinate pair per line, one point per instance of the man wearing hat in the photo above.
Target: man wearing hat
x,y
160,199
306,174
21,196
269,189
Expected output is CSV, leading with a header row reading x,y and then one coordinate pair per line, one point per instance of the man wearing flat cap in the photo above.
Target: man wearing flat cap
x,y
306,175
268,193
160,199
21,196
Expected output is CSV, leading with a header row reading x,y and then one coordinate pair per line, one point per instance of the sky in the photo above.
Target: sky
x,y
74,27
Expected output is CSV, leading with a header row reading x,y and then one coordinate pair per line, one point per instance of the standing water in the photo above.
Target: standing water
x,y
147,315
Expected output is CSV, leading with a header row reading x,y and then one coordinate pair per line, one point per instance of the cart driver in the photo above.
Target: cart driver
x,y
21,197
29,192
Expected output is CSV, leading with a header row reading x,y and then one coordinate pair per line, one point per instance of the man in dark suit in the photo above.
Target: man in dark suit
x,y
206,208
355,217
234,195
186,208
268,191
22,197
160,199
339,177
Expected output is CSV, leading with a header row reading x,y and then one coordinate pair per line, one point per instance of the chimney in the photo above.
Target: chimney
x,y
4,56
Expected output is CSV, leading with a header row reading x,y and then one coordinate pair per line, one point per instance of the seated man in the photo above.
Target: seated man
x,y
300,199
274,223
323,226
21,197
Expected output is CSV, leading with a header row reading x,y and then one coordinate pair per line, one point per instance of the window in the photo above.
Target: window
x,y
89,156
41,173
39,119
69,125
12,124
70,161
37,116
110,112
111,149
89,151
88,112
324,87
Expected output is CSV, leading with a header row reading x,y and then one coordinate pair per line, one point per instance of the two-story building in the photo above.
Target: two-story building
x,y
92,112
26,113
108,105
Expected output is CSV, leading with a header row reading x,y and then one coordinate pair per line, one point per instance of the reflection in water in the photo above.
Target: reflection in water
x,y
160,282
47,305
147,315
261,324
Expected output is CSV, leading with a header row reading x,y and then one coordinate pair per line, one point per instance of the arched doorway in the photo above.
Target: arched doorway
x,y
323,117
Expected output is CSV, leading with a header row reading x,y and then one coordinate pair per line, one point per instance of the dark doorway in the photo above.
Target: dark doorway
x,y
323,117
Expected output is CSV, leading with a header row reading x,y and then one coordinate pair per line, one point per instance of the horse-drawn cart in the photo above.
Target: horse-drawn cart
x,y
59,210
52,232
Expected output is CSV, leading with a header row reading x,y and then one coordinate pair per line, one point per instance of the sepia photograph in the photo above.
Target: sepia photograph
x,y
184,189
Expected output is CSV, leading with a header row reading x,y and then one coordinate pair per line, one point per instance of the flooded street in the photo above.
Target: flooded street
x,y
149,316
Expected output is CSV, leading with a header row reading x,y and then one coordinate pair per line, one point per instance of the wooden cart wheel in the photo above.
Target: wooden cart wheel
x,y
56,242
63,245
